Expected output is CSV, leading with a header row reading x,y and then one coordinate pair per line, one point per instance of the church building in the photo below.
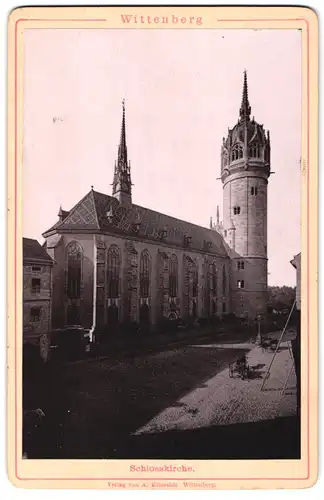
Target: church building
x,y
117,262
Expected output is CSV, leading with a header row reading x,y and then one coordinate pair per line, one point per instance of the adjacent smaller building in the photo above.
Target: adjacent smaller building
x,y
37,294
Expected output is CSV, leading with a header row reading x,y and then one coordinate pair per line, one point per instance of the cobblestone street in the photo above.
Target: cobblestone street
x,y
225,400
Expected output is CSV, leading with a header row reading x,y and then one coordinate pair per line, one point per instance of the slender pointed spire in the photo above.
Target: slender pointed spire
x,y
211,223
122,184
245,109
122,149
217,214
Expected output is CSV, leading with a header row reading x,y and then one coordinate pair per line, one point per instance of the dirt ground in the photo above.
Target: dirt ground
x,y
92,406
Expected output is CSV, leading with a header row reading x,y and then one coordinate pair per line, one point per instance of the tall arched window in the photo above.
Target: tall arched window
x,y
145,274
173,276
224,280
113,271
213,279
74,269
237,152
195,282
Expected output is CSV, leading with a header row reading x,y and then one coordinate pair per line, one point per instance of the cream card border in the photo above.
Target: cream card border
x,y
213,474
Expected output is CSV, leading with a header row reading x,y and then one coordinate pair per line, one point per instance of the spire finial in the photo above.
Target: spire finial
x,y
245,109
217,214
123,128
211,223
123,106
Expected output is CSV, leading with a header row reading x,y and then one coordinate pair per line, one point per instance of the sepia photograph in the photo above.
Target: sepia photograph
x,y
161,221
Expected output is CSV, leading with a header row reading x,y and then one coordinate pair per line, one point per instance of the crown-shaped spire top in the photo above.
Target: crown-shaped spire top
x,y
245,109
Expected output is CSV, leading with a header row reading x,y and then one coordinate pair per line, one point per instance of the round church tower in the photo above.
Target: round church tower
x,y
245,168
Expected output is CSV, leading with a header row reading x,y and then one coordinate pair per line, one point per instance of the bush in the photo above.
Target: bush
x,y
130,329
69,344
230,319
134,328
104,333
204,322
34,376
166,325
31,357
215,320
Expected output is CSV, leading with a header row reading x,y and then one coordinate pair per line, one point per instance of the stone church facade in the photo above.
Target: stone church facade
x,y
117,262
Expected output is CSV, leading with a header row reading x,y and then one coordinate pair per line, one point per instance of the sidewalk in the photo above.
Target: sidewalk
x,y
223,400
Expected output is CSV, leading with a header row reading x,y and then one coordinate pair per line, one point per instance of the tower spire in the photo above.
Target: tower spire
x,y
122,184
122,149
245,109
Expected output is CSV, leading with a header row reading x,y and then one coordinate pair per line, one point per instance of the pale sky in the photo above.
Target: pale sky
x,y
183,90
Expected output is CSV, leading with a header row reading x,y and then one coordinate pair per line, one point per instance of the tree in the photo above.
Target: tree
x,y
281,297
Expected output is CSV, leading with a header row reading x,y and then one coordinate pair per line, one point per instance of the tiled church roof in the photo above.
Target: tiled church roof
x,y
98,211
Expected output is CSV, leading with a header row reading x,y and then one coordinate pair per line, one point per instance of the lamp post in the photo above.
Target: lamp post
x,y
259,318
258,340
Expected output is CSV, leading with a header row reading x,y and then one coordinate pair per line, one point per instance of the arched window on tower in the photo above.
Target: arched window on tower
x,y
173,276
145,274
254,151
224,158
267,153
113,271
74,270
237,152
